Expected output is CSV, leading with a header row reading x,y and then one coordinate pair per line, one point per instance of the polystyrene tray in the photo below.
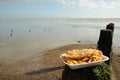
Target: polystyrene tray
x,y
77,66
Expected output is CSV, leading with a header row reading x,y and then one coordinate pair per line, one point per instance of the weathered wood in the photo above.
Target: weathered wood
x,y
99,72
110,26
105,42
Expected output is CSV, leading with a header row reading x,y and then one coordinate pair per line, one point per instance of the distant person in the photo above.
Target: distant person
x,y
29,31
44,30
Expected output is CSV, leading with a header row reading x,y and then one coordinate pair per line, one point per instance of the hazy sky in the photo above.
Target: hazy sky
x,y
59,8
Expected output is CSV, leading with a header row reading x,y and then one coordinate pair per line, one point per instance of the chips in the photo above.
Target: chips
x,y
77,56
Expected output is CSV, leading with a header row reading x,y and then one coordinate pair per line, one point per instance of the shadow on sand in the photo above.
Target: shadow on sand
x,y
44,70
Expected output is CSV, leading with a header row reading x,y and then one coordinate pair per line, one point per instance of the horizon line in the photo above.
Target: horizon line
x,y
59,19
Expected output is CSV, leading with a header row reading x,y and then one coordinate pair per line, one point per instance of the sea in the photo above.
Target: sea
x,y
19,37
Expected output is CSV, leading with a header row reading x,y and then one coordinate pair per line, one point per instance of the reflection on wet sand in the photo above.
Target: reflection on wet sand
x,y
11,32
29,31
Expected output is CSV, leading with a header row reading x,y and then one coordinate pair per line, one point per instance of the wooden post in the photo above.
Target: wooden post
x,y
105,42
99,72
110,26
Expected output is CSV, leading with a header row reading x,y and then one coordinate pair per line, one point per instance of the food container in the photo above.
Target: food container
x,y
89,64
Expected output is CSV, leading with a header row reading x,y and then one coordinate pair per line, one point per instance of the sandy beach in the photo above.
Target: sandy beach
x,y
33,34
30,50
47,65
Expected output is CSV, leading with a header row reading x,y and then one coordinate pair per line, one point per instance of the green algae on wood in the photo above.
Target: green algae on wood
x,y
99,72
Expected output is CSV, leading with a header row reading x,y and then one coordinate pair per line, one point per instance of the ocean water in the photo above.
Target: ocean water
x,y
20,37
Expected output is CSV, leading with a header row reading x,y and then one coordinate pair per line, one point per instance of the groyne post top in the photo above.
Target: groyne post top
x,y
105,40
110,26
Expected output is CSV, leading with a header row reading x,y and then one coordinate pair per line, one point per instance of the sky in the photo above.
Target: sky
x,y
59,8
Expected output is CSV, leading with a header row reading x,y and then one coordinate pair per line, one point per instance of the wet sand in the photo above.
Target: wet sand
x,y
46,65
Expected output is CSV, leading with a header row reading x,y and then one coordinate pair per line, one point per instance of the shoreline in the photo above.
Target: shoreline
x,y
46,66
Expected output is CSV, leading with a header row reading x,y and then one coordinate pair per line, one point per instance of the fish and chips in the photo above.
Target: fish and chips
x,y
77,56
